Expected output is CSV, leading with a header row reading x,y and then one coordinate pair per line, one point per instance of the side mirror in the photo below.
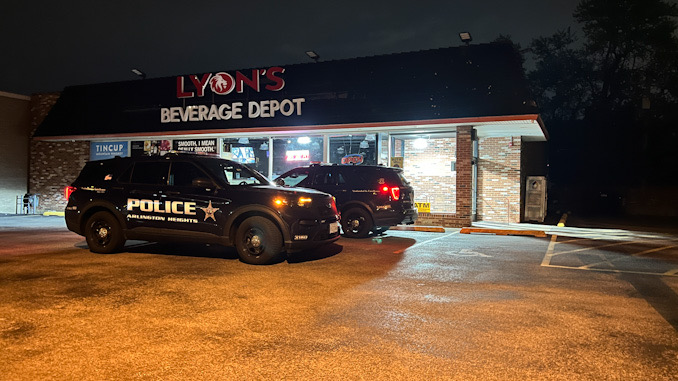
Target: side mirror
x,y
203,182
280,181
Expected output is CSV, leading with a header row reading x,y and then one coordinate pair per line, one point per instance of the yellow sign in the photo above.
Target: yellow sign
x,y
397,161
423,207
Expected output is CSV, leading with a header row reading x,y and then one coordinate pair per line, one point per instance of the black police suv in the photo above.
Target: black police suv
x,y
370,198
196,198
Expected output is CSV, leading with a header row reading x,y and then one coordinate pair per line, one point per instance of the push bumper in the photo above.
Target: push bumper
x,y
307,234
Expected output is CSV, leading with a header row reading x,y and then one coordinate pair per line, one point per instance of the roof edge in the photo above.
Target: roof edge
x,y
319,128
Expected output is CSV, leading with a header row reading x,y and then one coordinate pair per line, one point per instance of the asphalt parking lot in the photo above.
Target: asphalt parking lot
x,y
582,303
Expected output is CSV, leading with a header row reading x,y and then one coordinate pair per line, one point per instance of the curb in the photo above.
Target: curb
x,y
433,229
61,214
536,233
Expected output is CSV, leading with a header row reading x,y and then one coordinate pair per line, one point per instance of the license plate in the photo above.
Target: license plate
x,y
334,227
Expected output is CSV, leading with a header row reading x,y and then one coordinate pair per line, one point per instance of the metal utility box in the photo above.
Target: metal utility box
x,y
535,199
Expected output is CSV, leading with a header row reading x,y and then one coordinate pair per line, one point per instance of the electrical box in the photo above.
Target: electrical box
x,y
535,199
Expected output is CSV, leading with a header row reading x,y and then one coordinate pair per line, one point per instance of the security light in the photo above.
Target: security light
x,y
420,143
313,55
139,73
465,37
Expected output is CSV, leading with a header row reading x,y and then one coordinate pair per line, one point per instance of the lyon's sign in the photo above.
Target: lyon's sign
x,y
223,83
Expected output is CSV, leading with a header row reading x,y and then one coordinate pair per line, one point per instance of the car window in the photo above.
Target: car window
x,y
183,173
241,175
233,173
328,177
295,177
153,172
402,178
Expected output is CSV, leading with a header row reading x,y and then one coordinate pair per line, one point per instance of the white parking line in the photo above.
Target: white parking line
x,y
550,253
425,242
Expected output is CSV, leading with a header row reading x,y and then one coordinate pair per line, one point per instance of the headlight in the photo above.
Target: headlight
x,y
304,201
280,202
301,201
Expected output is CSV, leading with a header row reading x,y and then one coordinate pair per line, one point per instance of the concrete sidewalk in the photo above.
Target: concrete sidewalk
x,y
33,221
610,229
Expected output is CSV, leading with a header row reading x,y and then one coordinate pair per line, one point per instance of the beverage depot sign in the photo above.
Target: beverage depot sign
x,y
222,83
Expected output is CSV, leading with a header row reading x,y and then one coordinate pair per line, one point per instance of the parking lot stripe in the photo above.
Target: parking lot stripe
x,y
549,252
655,250
425,242
596,247
668,273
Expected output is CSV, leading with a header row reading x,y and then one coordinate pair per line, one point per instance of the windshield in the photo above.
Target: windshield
x,y
294,177
235,174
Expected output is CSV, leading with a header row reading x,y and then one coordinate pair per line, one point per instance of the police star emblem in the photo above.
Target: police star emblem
x,y
209,212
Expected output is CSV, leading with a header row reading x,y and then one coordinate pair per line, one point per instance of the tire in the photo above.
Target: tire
x,y
103,233
258,241
356,223
380,229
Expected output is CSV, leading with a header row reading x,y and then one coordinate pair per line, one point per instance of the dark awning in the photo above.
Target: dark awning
x,y
476,81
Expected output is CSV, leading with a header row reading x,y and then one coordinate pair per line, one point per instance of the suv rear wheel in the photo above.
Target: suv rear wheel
x,y
356,223
258,241
103,233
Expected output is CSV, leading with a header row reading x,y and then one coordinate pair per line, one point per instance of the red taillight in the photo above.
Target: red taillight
x,y
68,190
395,192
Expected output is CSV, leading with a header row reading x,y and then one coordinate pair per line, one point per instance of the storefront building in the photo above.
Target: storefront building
x,y
459,121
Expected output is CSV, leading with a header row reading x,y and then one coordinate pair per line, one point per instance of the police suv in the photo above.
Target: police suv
x,y
370,198
196,198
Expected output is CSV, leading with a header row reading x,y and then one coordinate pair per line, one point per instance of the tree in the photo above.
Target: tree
x,y
562,78
627,41
619,82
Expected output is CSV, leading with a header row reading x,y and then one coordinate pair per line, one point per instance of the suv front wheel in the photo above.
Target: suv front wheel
x,y
356,223
258,241
103,233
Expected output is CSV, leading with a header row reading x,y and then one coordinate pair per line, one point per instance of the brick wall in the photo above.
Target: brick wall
x,y
464,173
430,173
53,165
499,180
428,170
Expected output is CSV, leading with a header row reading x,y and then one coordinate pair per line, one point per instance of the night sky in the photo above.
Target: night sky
x,y
47,45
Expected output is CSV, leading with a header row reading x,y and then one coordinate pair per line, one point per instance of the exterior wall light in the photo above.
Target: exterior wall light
x,y
139,73
420,143
313,55
465,37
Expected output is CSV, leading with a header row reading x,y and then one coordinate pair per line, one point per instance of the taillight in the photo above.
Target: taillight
x,y
395,192
68,191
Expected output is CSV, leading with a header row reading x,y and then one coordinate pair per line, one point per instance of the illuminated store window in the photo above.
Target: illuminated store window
x,y
427,163
296,151
251,152
353,149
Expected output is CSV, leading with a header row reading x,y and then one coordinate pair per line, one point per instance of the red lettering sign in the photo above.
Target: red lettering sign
x,y
224,83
